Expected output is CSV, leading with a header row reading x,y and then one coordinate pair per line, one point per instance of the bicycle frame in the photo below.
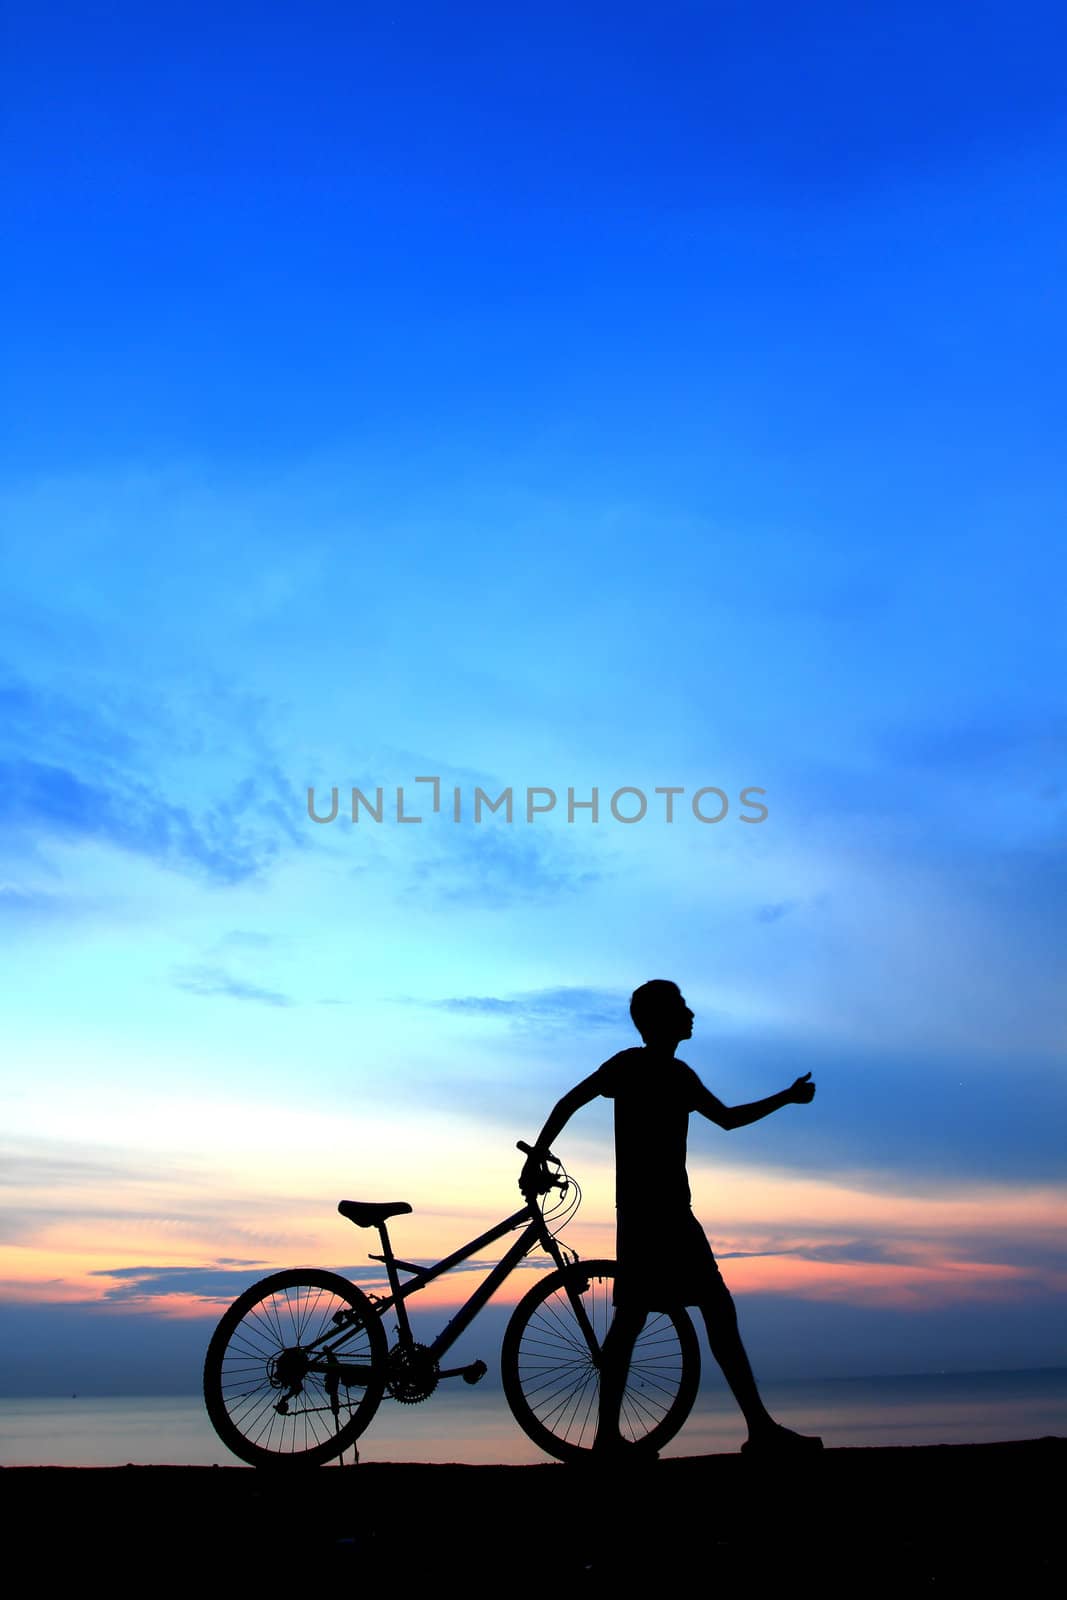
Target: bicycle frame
x,y
535,1233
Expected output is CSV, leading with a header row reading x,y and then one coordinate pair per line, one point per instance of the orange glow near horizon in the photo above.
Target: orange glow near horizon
x,y
775,1234
257,1210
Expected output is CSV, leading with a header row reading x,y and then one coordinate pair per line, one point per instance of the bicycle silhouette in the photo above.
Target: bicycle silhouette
x,y
299,1364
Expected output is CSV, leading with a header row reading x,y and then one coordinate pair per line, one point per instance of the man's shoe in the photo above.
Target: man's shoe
x,y
778,1441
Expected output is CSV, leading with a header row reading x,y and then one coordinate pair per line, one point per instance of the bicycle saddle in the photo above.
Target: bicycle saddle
x,y
367,1215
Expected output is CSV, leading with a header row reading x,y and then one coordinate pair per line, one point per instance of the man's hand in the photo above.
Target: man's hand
x,y
802,1090
534,1178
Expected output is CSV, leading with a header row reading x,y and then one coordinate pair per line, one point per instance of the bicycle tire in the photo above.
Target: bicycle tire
x,y
279,1317
552,1383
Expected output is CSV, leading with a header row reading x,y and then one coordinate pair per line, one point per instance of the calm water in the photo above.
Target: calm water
x,y
473,1426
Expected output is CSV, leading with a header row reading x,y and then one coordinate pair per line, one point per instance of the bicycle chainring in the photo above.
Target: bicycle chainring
x,y
412,1374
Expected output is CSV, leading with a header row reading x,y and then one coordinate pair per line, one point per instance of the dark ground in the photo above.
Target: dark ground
x,y
949,1519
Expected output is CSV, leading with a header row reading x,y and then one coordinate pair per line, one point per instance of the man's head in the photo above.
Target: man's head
x,y
660,1013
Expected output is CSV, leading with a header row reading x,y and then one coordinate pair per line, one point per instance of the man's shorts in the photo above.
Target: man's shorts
x,y
665,1261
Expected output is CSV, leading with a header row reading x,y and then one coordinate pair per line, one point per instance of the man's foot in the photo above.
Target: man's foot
x,y
613,1450
774,1440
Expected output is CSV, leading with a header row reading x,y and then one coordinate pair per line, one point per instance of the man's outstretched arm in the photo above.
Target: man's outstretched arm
x,y
800,1093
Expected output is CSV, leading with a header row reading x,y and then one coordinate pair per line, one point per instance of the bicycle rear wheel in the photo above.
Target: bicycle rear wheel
x,y
551,1375
295,1370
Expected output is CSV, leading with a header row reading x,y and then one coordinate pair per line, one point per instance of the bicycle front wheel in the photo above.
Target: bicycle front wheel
x,y
295,1370
550,1365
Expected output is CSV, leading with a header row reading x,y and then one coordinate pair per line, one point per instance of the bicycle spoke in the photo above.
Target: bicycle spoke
x,y
565,1329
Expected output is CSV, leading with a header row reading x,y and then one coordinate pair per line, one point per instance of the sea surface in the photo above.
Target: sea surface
x,y
475,1426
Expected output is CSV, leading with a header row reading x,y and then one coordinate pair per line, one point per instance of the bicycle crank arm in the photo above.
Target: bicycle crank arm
x,y
472,1374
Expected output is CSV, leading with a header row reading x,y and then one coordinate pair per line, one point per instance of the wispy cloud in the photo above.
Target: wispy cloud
x,y
775,913
494,865
228,1277
98,771
40,1163
546,1009
22,904
245,939
40,718
215,982
223,1281
852,1250
223,841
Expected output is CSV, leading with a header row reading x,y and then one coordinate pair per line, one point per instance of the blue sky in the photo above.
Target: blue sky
x,y
601,400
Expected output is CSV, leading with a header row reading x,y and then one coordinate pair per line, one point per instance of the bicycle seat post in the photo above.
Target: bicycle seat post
x,y
389,1261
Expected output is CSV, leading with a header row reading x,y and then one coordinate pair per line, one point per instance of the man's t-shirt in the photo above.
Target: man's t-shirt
x,y
653,1097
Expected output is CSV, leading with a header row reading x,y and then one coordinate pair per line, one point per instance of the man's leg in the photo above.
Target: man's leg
x,y
615,1356
724,1337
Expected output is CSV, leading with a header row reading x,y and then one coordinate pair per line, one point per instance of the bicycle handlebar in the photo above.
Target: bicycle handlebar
x,y
546,1182
528,1150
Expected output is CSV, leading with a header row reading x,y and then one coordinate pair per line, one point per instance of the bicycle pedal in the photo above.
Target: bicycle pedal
x,y
475,1372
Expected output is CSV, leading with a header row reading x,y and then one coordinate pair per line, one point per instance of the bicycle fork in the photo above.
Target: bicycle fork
x,y
575,1293
581,1316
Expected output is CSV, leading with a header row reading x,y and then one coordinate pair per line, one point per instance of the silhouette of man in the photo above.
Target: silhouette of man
x,y
664,1259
